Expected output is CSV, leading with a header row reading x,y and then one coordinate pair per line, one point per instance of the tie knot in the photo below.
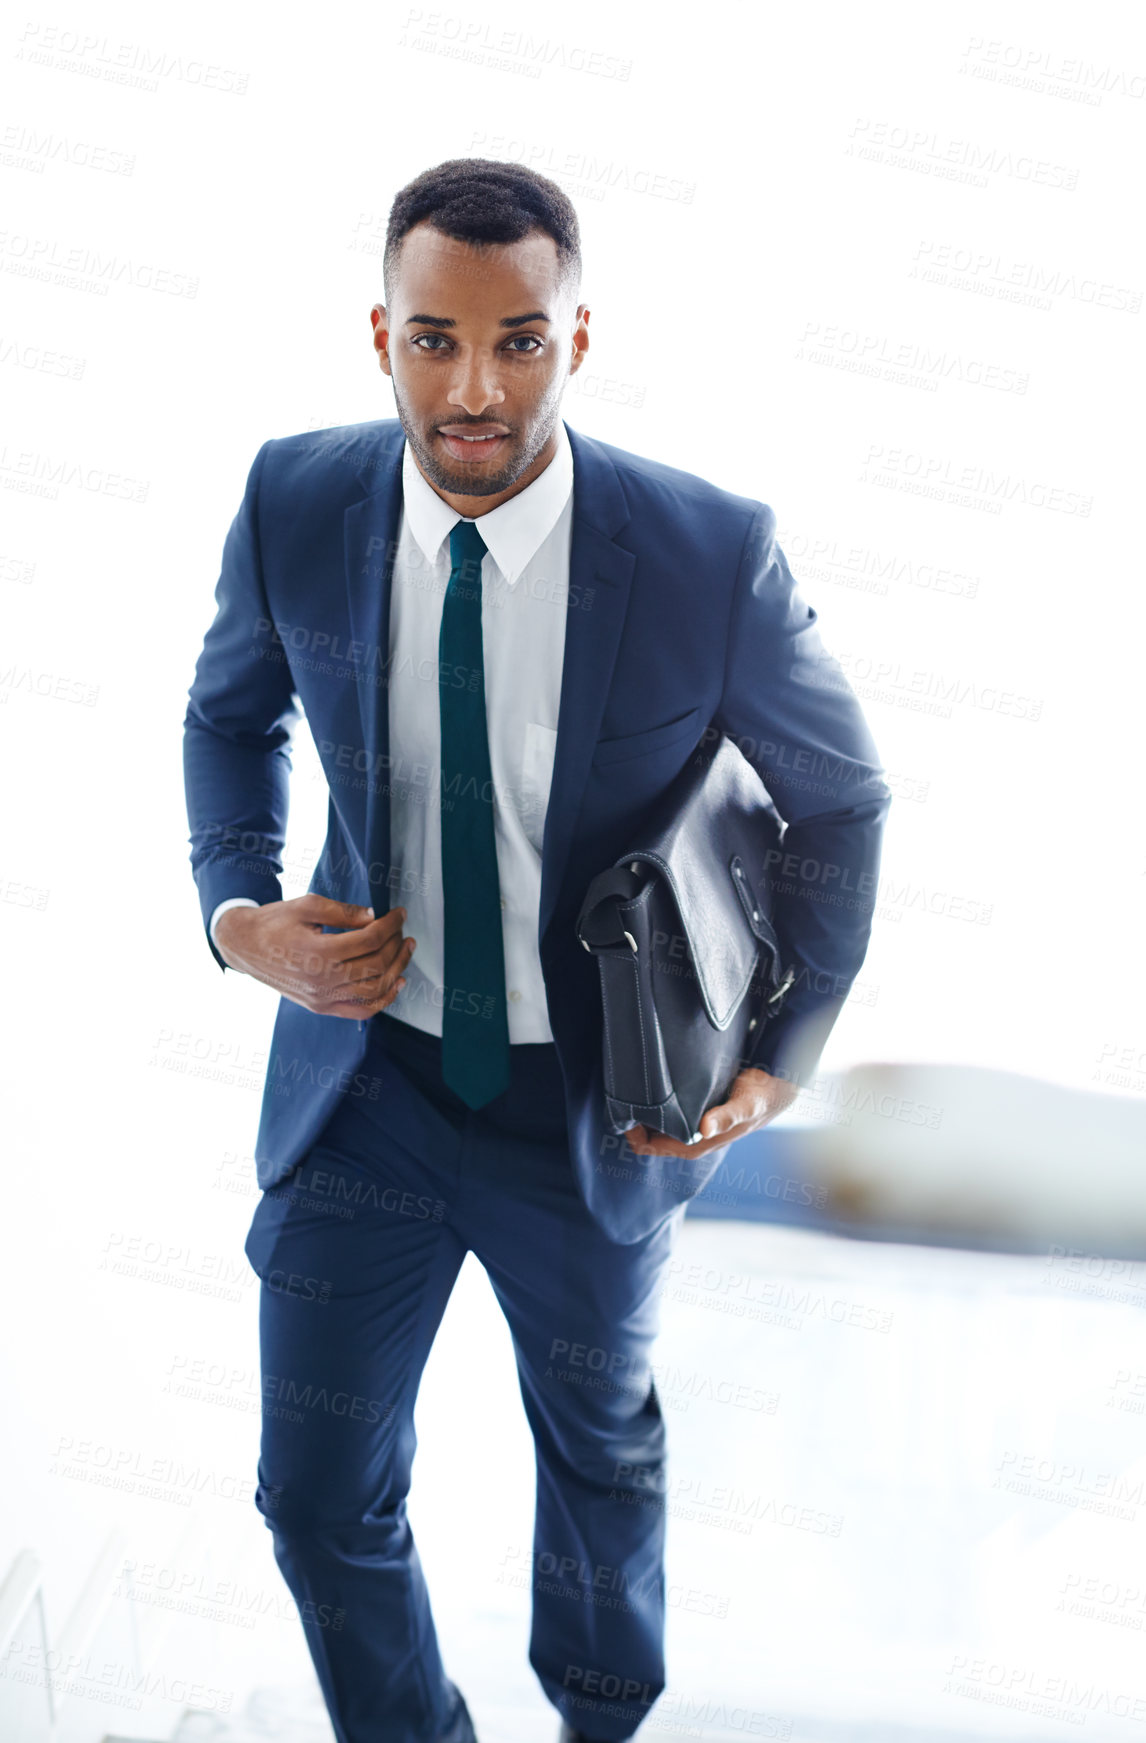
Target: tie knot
x,y
466,545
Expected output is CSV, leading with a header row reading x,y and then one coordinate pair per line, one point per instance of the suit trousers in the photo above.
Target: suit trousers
x,y
357,1251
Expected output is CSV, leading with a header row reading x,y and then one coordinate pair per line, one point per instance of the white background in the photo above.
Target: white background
x,y
830,254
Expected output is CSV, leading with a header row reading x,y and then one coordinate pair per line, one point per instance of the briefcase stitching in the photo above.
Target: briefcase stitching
x,y
644,1035
611,1087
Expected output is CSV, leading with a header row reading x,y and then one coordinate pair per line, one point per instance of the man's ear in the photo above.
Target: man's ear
x,y
381,325
580,338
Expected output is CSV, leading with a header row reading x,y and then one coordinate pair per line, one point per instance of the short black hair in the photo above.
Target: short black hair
x,y
482,199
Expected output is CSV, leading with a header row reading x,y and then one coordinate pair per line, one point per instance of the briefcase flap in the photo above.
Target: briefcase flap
x,y
708,839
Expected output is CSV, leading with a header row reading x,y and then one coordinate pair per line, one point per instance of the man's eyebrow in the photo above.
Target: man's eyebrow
x,y
507,320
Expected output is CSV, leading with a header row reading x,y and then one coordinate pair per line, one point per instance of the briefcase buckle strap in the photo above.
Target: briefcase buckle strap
x,y
754,912
776,999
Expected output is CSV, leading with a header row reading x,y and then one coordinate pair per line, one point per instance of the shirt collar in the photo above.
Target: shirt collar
x,y
513,532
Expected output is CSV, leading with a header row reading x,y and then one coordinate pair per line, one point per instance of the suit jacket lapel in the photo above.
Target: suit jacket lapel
x,y
600,573
370,535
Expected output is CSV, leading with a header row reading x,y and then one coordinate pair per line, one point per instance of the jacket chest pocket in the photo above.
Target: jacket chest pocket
x,y
635,744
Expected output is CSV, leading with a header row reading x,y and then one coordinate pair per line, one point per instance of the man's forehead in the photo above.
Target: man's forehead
x,y
428,254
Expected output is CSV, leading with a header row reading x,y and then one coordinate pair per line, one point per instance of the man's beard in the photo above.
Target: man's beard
x,y
467,481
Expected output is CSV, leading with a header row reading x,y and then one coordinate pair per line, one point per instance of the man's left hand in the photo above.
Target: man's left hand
x,y
755,1098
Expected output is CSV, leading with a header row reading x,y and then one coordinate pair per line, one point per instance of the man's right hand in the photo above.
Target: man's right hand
x,y
353,973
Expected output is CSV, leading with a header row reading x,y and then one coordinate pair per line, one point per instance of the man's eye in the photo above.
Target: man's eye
x,y
527,341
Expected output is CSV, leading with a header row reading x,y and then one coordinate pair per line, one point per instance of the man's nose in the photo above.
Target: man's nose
x,y
475,386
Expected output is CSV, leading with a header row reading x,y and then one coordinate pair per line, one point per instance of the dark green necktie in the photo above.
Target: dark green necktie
x,y
475,1021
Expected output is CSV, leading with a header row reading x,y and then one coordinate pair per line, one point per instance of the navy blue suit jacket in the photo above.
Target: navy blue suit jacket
x,y
682,618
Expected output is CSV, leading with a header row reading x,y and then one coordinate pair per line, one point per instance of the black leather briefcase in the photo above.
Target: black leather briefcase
x,y
681,926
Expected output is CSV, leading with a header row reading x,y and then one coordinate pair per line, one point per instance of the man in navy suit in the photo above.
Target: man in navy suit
x,y
507,638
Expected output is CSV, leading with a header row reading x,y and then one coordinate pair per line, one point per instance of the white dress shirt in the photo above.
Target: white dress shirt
x,y
525,584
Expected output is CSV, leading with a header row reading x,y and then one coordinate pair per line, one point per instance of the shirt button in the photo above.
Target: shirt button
x,y
503,901
515,995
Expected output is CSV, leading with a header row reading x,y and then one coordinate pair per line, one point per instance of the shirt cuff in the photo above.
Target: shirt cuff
x,y
231,902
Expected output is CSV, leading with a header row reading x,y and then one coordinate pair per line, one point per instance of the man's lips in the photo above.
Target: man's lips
x,y
473,444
